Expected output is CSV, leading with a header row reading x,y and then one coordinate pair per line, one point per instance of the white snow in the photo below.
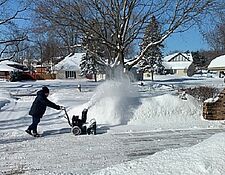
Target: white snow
x,y
169,57
170,112
9,62
4,67
217,62
177,65
141,129
204,158
70,62
211,100
169,63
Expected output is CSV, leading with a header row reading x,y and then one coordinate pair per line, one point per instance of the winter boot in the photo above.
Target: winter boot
x,y
35,134
28,132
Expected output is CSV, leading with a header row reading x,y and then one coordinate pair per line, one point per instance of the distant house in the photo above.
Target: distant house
x,y
178,63
5,71
7,68
69,67
41,69
218,65
135,73
28,62
13,71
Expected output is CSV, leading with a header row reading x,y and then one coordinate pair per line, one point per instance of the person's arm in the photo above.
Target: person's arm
x,y
48,103
52,105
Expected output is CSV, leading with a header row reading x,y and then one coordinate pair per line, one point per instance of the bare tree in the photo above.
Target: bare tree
x,y
11,34
119,23
216,38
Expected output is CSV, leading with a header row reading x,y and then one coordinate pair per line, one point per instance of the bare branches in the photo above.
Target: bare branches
x,y
11,34
117,24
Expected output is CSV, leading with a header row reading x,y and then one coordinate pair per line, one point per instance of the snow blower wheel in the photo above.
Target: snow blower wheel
x,y
76,130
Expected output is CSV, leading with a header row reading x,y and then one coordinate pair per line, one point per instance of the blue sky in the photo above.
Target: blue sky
x,y
190,40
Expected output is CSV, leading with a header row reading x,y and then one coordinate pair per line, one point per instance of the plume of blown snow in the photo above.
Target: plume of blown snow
x,y
112,102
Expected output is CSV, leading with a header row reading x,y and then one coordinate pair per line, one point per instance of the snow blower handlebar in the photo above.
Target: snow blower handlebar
x,y
84,116
67,117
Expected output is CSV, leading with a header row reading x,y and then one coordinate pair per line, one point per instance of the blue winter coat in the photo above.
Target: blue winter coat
x,y
40,104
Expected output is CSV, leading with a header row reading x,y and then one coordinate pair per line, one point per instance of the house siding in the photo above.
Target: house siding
x,y
63,74
181,72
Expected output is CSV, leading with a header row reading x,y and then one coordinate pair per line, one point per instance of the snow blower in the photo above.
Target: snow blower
x,y
80,126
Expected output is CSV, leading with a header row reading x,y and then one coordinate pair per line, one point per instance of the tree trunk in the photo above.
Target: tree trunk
x,y
95,77
152,72
115,73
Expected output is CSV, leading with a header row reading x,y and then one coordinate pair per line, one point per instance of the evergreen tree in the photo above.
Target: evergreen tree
x,y
90,67
152,60
199,59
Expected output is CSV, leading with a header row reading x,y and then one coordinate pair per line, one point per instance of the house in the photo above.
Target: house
x,y
69,67
5,71
41,69
30,62
135,73
178,63
218,65
7,68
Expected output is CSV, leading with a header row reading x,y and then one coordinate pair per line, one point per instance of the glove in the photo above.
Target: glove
x,y
61,107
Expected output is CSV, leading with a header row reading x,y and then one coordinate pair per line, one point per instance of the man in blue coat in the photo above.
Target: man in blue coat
x,y
38,109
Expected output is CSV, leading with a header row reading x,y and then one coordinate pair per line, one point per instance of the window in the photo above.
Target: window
x,y
70,74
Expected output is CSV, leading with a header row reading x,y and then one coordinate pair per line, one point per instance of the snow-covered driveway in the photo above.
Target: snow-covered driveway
x,y
153,123
58,151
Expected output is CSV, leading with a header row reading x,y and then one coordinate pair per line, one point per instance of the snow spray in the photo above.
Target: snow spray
x,y
112,102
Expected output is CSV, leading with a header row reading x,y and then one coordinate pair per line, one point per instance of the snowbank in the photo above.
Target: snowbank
x,y
170,112
4,99
118,103
207,157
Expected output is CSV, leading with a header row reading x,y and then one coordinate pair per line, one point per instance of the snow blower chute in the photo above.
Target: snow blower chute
x,y
80,126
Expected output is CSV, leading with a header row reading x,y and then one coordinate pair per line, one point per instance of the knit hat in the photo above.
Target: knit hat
x,y
45,89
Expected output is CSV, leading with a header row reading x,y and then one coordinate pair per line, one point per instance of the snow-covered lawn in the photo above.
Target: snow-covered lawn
x,y
141,129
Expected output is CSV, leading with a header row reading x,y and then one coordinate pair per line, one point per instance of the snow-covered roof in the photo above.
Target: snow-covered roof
x,y
6,68
8,62
5,65
168,62
176,65
217,62
70,62
169,57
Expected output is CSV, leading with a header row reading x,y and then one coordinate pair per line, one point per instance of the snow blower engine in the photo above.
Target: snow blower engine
x,y
81,126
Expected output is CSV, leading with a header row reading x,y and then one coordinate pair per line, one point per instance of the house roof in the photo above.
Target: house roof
x,y
168,62
188,56
8,62
7,65
176,65
218,62
6,68
70,62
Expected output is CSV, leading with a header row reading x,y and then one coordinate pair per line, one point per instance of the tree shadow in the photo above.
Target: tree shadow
x,y
179,80
26,120
99,130
56,132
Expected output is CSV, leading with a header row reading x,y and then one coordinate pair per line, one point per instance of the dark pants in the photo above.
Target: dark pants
x,y
33,126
